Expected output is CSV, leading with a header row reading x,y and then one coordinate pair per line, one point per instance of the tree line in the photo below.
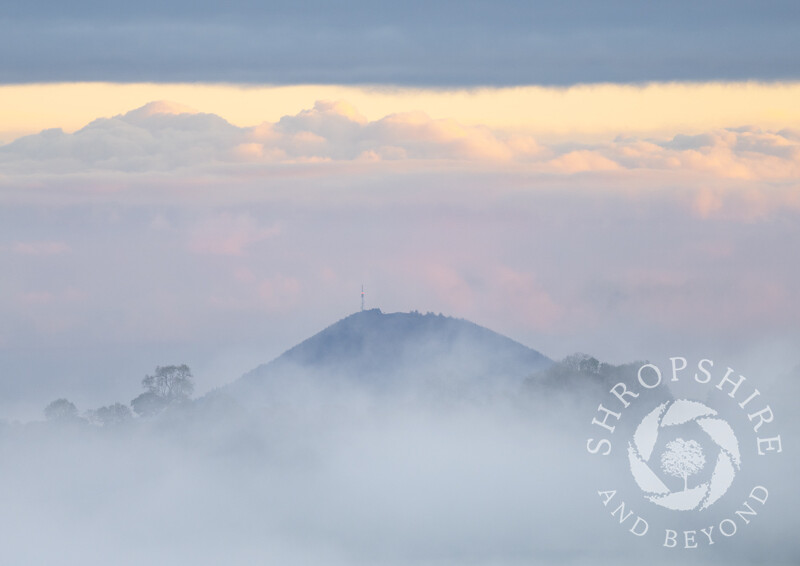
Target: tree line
x,y
167,386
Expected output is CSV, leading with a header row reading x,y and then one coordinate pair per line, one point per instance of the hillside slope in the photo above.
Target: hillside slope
x,y
384,352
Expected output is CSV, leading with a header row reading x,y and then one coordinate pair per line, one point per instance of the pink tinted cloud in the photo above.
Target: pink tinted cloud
x,y
531,305
743,203
582,161
278,293
423,137
228,234
161,137
484,290
449,286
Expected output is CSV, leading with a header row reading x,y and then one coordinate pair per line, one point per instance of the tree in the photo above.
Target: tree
x,y
682,459
61,410
112,415
148,404
170,382
168,385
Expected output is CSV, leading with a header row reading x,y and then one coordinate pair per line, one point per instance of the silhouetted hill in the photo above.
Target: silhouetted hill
x,y
381,351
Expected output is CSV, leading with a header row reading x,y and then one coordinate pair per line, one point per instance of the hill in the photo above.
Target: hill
x,y
390,351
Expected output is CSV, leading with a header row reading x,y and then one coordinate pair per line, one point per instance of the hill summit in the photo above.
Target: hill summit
x,y
386,351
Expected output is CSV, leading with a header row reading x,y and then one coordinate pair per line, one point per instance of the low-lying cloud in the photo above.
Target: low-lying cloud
x,y
342,478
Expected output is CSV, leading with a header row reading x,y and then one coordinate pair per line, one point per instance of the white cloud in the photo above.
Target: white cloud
x,y
167,137
583,160
151,138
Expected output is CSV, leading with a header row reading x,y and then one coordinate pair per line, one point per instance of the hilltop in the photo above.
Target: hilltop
x,y
389,351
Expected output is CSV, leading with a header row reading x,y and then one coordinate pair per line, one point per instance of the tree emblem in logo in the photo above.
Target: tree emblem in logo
x,y
683,458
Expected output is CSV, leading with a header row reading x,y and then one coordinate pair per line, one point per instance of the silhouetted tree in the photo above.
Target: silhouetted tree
x,y
112,415
170,382
168,385
148,404
582,363
61,410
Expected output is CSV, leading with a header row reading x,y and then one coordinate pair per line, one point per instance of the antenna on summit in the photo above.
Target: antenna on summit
x,y
362,297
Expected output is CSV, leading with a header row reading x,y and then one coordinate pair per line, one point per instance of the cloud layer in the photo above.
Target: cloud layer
x,y
165,137
473,43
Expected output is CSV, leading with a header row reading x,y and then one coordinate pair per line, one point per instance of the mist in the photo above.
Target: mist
x,y
338,473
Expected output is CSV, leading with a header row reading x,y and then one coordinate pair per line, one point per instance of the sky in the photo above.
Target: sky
x,y
210,184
